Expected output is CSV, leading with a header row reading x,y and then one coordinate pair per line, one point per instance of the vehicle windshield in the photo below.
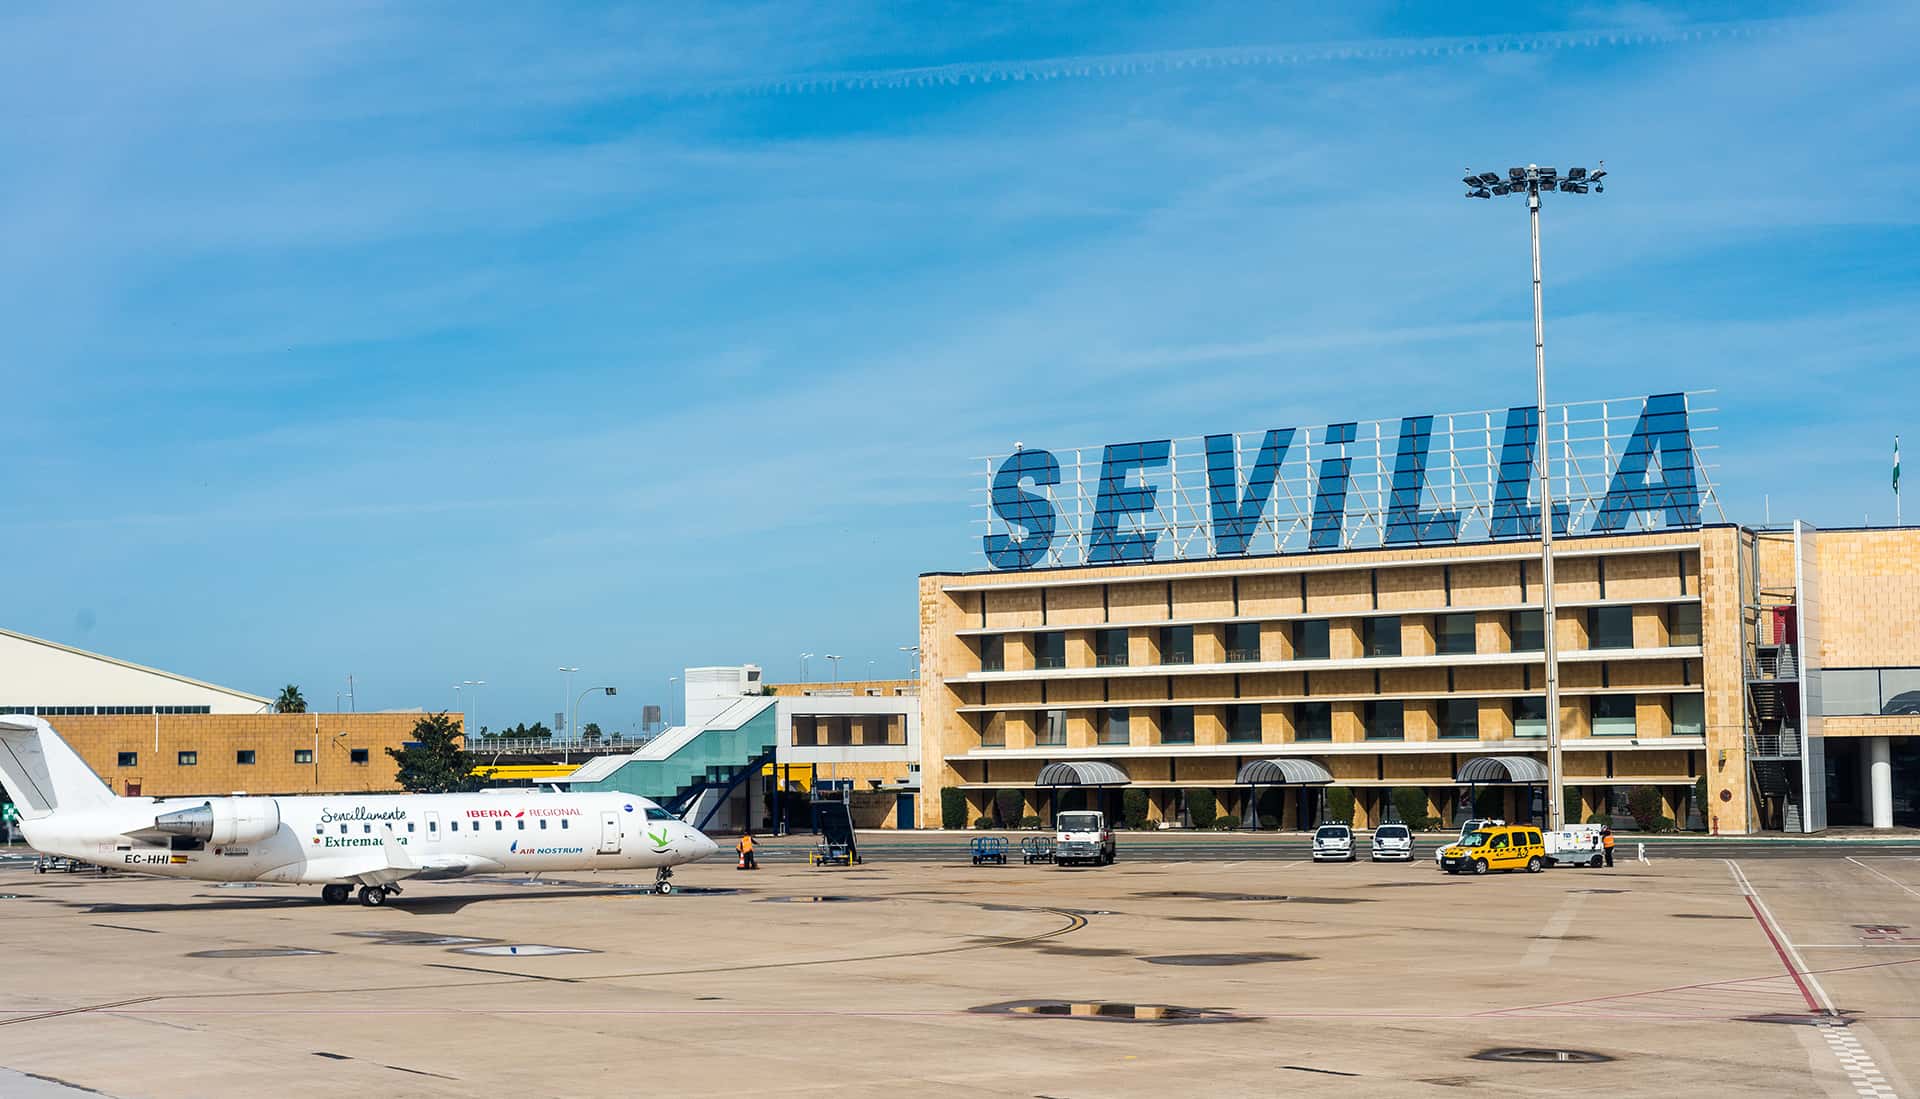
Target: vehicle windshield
x,y
1475,839
1078,822
1332,833
1393,832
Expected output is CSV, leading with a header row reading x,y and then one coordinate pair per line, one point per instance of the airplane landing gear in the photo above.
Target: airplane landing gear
x,y
663,881
335,893
373,896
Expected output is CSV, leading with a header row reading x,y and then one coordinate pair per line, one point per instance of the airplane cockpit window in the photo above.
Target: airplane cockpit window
x,y
654,812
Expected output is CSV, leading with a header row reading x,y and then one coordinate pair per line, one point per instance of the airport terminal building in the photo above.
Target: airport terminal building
x,y
1277,615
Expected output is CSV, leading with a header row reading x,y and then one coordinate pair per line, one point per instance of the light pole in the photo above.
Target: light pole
x,y
476,684
1531,181
836,666
566,693
673,709
804,657
573,722
913,656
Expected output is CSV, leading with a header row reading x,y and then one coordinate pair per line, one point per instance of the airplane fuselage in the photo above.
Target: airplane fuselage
x,y
334,838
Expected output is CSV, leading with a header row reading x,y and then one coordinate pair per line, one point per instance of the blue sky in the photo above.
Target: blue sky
x,y
430,343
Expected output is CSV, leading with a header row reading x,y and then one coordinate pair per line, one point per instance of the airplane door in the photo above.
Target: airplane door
x,y
433,828
609,833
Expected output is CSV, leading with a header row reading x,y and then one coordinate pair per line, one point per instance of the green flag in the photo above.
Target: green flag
x,y
1896,465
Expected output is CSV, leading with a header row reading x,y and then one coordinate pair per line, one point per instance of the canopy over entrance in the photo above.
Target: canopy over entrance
x,y
1283,772
1081,773
1495,770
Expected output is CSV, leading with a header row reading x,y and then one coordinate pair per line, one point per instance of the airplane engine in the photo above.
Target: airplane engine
x,y
224,820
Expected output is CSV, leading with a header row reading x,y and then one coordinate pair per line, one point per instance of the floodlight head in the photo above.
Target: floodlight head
x,y
1548,175
1598,188
1576,173
1488,179
1481,193
1471,180
1517,175
1502,189
1599,173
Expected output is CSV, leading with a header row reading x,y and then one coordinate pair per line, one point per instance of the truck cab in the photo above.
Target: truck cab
x,y
1082,836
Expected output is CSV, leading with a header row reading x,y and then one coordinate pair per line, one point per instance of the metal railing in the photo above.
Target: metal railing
x,y
1784,744
544,745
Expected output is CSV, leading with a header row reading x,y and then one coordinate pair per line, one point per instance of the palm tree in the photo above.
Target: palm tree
x,y
290,701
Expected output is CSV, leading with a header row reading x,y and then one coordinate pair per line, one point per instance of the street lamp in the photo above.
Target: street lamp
x,y
673,710
913,654
573,722
476,684
836,666
1531,181
566,693
804,657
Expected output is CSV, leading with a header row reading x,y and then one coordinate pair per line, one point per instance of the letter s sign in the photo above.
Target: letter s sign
x,y
1015,506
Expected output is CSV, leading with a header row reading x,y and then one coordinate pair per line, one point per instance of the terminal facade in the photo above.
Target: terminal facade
x,y
1754,679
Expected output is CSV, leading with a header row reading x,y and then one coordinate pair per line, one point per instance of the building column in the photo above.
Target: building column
x,y
1880,764
1863,796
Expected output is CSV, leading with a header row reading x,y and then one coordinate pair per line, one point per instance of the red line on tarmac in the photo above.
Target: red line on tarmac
x,y
1793,971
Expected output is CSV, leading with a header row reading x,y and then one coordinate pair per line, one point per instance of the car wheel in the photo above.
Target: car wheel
x,y
1534,865
1479,866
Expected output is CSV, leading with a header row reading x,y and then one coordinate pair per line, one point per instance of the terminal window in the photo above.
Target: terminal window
x,y
1243,724
1176,644
1311,639
1524,628
1050,650
1385,720
993,653
129,759
1114,726
1613,715
243,757
1689,715
1176,725
1382,636
1243,641
303,755
1530,717
1313,721
1683,624
1609,627
357,755
189,759
1110,648
1050,728
1453,634
1460,719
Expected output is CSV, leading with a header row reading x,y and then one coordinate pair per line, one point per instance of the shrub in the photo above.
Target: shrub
x,y
1601,818
1030,822
1489,802
1339,805
983,822
1643,802
1202,809
1224,824
1133,808
1410,805
1570,803
1700,803
1268,824
1660,824
953,808
1007,805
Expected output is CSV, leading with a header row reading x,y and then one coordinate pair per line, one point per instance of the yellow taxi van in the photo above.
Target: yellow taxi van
x,y
1505,847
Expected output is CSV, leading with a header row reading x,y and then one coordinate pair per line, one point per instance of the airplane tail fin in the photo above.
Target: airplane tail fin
x,y
43,772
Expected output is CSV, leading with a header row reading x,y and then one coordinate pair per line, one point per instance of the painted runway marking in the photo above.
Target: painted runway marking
x,y
1857,1063
1541,952
1782,945
1884,877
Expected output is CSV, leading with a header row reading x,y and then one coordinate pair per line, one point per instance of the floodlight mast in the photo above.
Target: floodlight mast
x,y
1530,181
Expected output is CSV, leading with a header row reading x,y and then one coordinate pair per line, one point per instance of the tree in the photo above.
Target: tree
x,y
953,808
434,762
590,731
290,701
1202,808
1339,805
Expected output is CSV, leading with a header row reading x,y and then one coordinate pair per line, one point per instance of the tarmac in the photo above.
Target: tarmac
x,y
922,975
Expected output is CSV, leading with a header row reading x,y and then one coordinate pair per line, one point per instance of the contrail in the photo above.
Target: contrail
x,y
1095,66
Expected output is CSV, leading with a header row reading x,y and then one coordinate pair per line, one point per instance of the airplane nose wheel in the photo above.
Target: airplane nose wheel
x,y
335,894
663,882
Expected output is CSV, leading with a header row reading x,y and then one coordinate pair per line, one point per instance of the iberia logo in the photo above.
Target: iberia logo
x,y
660,840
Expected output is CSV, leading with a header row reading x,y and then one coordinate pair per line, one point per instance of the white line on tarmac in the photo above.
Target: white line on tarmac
x,y
1878,874
1541,952
1746,887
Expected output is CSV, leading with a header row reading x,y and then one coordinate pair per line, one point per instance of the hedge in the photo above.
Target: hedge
x,y
953,808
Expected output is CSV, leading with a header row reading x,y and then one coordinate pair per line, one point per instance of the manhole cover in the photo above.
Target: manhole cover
x,y
522,950
1256,957
258,952
1543,1056
1190,895
1102,1011
819,900
416,938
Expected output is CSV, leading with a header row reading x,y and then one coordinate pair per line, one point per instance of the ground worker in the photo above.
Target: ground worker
x,y
1606,841
745,846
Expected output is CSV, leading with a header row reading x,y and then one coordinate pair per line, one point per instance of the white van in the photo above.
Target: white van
x,y
1575,845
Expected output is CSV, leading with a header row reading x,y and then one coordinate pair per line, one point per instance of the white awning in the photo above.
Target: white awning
x,y
1283,772
1081,773
1484,770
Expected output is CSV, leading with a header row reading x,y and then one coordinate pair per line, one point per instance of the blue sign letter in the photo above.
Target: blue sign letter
x,y
1117,498
1663,427
1405,521
1330,491
1236,515
1017,507
1513,517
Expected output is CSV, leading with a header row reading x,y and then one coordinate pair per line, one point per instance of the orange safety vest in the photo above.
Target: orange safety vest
x,y
1607,839
746,844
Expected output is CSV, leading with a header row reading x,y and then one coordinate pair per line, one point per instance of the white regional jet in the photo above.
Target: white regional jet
x,y
336,842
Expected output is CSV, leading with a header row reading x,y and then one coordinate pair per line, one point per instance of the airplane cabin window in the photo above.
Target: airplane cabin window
x,y
543,824
520,824
499,825
409,826
343,829
563,822
367,828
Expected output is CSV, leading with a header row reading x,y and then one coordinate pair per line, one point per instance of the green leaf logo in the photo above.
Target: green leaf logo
x,y
659,839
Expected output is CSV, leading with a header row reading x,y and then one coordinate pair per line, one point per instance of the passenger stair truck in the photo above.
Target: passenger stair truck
x,y
1575,845
833,818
